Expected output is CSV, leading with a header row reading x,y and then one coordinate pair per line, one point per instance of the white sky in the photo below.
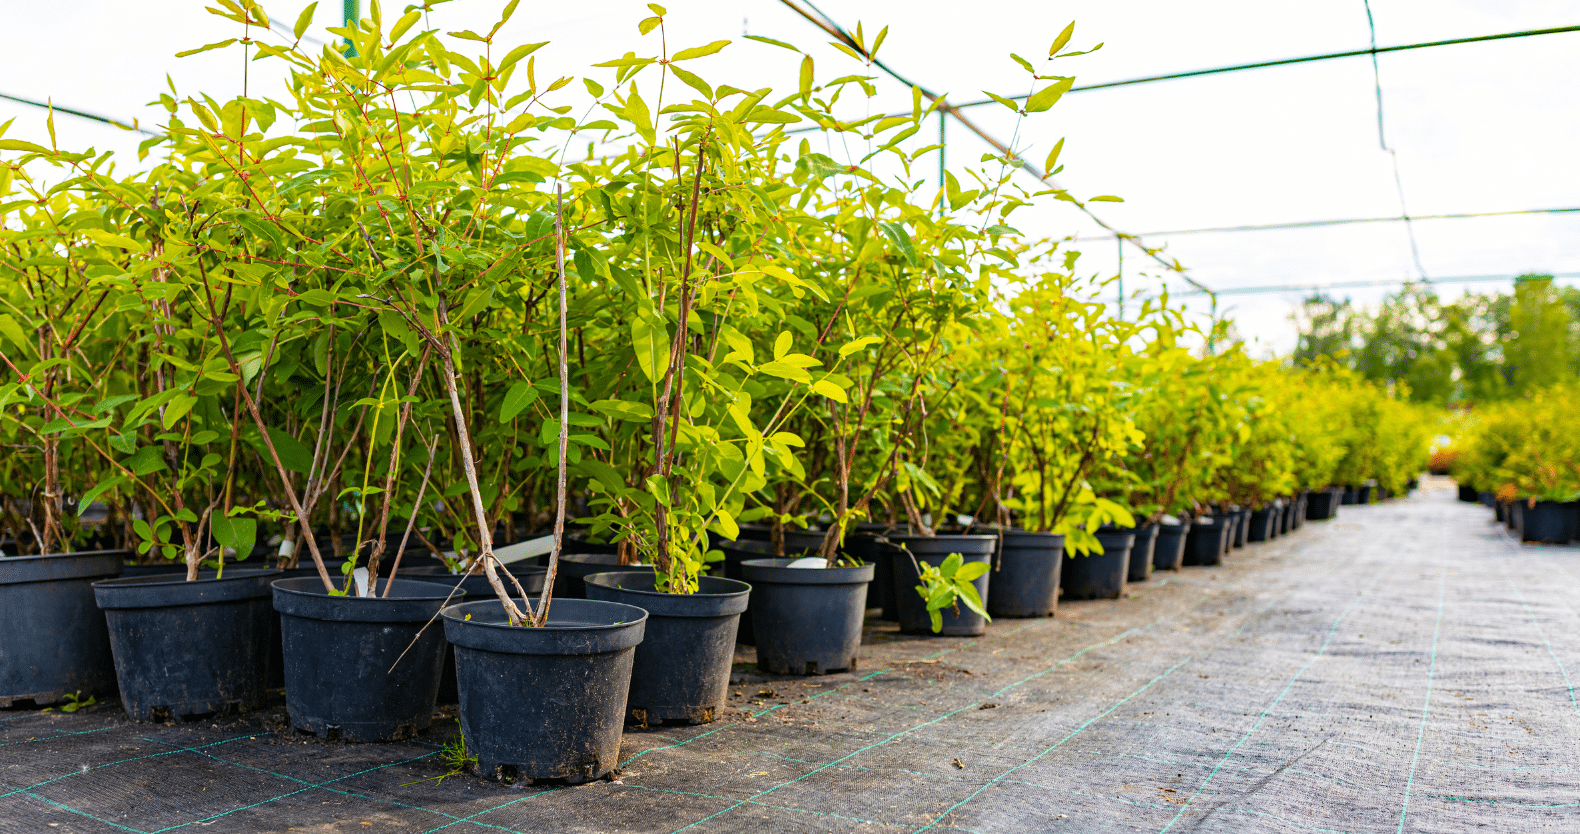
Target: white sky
x,y
1479,127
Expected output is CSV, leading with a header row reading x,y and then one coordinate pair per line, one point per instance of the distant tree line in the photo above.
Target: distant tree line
x,y
1477,348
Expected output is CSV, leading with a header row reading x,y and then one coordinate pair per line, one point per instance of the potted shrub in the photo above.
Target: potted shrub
x,y
50,554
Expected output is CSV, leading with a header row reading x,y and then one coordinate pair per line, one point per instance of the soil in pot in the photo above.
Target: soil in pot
x,y
549,702
1026,574
361,668
1141,553
808,620
1099,575
1168,553
959,621
682,667
1204,545
189,648
53,640
475,586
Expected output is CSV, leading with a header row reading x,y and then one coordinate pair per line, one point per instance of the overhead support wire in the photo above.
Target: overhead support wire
x,y
827,24
1312,224
1398,182
81,114
1354,53
1386,282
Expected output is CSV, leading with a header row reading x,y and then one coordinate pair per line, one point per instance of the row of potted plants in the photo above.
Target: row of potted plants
x,y
401,349
1522,459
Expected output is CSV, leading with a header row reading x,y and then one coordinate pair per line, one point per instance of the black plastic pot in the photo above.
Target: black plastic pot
x,y
574,567
1299,518
1486,498
808,620
1514,517
1363,495
1242,528
1026,575
189,648
1168,553
474,586
1261,524
682,667
1099,575
1321,506
1550,522
1204,545
53,641
1286,517
912,609
362,667
876,550
548,702
132,569
1141,553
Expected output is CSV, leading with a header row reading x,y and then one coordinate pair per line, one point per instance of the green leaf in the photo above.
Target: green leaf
x,y
1064,38
304,20
969,596
637,113
623,410
518,53
520,395
1106,198
652,347
1049,95
238,534
858,344
969,572
692,81
178,408
93,494
896,232
771,42
830,390
294,456
219,45
951,565
1002,100
148,459
13,331
699,51
782,345
783,371
1053,157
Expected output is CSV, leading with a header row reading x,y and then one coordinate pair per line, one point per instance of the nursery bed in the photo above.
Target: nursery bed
x,y
1404,667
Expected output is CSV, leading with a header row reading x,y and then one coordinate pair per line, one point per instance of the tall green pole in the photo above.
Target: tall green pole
x,y
352,18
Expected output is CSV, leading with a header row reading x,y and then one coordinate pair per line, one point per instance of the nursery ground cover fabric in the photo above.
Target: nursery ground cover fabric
x,y
1405,667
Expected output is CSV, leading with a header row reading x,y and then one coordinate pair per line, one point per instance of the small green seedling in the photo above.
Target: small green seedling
x,y
948,585
74,702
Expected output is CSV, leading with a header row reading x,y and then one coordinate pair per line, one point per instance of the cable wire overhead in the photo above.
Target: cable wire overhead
x,y
821,20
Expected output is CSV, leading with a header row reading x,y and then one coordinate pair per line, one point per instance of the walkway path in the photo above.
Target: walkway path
x,y
1405,667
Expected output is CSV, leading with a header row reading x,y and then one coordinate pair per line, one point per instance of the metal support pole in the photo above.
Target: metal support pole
x,y
353,18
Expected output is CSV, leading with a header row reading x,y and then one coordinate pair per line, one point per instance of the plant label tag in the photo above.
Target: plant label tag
x,y
808,562
360,576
